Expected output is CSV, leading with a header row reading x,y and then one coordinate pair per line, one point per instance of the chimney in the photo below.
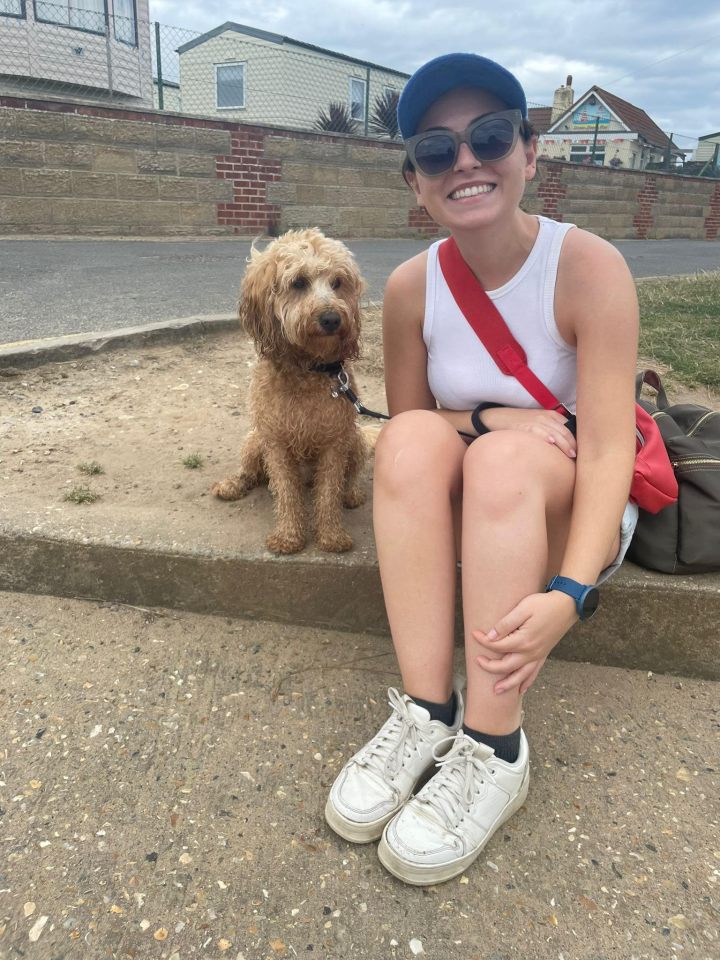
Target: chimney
x,y
563,100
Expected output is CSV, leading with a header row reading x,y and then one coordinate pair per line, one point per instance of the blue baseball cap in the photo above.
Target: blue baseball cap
x,y
448,72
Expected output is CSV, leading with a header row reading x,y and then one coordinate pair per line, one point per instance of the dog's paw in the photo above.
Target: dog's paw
x,y
280,541
231,489
354,498
335,541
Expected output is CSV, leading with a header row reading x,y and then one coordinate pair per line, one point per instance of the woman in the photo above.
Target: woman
x,y
522,503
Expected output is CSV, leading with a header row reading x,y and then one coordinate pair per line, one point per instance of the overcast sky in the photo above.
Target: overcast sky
x,y
661,55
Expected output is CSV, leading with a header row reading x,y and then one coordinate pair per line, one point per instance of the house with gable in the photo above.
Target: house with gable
x,y
604,129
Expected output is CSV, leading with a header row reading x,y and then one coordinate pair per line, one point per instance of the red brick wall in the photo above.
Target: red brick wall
x,y
250,174
712,222
646,198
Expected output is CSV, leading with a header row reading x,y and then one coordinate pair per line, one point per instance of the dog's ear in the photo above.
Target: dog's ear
x,y
257,298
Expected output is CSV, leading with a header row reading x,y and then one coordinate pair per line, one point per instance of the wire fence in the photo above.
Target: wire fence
x,y
100,52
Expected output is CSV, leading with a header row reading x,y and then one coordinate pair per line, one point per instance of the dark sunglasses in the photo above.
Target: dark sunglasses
x,y
490,138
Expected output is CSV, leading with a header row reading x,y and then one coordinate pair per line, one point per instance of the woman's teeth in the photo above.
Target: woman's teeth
x,y
472,191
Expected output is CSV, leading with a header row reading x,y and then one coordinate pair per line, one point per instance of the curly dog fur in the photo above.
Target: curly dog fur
x,y
300,302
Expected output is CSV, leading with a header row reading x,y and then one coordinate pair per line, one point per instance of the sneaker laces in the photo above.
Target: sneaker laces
x,y
387,749
454,787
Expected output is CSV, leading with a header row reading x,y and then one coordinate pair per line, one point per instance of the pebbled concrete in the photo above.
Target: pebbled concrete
x,y
163,777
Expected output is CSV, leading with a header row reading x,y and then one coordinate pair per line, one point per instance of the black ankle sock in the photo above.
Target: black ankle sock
x,y
445,712
506,747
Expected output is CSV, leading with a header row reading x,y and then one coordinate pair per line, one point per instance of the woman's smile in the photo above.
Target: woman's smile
x,y
470,190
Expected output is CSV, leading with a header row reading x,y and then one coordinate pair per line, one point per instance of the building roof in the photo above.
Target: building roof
x,y
232,27
540,117
633,117
710,136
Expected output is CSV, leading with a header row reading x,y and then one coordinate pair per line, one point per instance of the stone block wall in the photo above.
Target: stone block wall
x,y
70,168
97,171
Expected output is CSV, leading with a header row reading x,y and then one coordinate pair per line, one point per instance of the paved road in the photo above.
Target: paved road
x,y
54,287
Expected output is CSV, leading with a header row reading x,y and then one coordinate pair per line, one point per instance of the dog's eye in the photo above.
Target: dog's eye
x,y
336,284
299,283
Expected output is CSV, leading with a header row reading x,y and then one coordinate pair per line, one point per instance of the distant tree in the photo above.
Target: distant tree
x,y
383,118
336,120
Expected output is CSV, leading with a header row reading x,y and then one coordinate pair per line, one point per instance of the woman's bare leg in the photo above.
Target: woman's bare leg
x,y
517,503
417,487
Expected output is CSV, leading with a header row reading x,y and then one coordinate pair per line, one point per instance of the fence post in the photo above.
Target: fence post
x,y
668,153
367,98
158,64
594,143
108,53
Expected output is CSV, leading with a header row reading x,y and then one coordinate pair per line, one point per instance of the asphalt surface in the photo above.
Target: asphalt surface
x,y
55,287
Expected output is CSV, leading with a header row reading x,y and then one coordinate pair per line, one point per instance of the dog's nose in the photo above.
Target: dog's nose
x,y
329,321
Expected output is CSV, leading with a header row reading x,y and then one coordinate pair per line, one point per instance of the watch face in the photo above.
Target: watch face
x,y
590,602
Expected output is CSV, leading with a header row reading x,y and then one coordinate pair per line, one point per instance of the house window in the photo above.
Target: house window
x,y
12,8
125,20
357,98
230,85
580,153
80,14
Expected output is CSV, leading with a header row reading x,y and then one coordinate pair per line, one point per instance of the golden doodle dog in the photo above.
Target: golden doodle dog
x,y
300,302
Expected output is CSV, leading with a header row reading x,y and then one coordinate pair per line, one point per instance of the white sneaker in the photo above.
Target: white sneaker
x,y
445,826
375,783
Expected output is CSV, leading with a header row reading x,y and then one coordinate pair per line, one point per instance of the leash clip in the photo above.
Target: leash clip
x,y
343,384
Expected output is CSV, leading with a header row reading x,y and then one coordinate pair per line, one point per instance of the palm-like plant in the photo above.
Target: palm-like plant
x,y
336,120
383,118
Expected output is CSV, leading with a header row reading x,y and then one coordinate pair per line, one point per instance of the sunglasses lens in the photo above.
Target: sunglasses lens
x,y
492,139
435,154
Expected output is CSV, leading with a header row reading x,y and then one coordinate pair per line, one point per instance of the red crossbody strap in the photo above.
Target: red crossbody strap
x,y
487,322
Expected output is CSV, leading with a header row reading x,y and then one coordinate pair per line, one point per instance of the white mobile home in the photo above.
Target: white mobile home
x,y
252,76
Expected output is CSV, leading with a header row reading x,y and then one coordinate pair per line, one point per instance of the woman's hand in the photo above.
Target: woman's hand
x,y
548,424
520,643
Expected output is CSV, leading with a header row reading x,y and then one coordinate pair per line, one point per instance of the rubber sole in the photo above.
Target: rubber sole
x,y
356,832
422,876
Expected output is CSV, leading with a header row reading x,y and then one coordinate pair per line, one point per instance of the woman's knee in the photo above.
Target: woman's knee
x,y
507,467
417,446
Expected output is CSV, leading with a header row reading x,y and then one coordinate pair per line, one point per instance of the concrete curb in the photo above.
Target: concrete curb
x,y
30,353
647,621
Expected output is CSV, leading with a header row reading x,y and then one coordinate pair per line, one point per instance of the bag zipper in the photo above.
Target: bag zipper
x,y
702,461
700,422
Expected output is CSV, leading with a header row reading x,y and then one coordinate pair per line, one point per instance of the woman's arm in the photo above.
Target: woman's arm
x,y
596,304
405,354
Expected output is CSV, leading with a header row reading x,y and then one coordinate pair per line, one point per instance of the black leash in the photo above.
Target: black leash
x,y
346,390
337,371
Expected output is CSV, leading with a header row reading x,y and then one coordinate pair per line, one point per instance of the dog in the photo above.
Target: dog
x,y
300,302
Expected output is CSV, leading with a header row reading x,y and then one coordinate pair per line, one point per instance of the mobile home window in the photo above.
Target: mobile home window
x,y
12,8
125,20
230,85
357,98
81,14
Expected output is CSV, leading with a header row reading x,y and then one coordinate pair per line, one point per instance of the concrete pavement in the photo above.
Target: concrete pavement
x,y
163,776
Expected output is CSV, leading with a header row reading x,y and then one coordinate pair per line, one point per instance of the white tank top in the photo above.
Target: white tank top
x,y
461,373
